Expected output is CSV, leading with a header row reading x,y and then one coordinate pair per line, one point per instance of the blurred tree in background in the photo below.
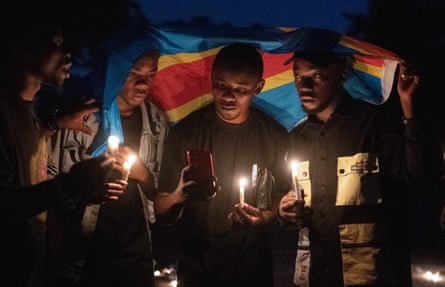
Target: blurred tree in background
x,y
87,25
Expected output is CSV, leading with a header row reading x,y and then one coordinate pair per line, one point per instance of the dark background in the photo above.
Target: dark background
x,y
415,29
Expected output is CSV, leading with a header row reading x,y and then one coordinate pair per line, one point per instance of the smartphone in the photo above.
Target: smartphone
x,y
201,163
202,172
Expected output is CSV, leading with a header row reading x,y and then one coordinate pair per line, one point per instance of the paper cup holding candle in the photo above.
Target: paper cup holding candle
x,y
127,166
295,185
113,144
242,184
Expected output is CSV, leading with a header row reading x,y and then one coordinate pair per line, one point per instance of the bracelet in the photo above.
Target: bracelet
x,y
52,122
405,120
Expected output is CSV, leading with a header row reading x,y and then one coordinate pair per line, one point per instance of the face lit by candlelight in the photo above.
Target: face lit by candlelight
x,y
139,82
237,76
233,93
57,61
319,88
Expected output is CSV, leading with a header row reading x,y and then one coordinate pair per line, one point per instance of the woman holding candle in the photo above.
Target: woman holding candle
x,y
115,242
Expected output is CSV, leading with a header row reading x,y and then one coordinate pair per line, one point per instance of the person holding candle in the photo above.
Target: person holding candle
x,y
115,239
358,162
223,241
33,55
296,191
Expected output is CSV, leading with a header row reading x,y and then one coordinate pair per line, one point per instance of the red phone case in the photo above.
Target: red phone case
x,y
202,173
202,165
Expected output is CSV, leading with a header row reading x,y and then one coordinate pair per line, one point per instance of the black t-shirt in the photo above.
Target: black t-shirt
x,y
207,244
120,253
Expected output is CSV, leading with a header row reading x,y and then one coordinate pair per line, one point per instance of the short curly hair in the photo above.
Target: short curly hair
x,y
240,57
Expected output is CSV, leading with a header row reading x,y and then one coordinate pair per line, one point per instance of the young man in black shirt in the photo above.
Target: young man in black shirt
x,y
222,242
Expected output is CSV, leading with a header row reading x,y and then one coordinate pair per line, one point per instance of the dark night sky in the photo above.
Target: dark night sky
x,y
325,14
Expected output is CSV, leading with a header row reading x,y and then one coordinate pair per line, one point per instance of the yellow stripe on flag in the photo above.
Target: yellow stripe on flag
x,y
279,80
182,111
368,69
166,61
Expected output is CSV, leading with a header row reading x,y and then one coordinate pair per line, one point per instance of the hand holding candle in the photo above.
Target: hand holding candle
x,y
113,144
242,183
127,166
295,184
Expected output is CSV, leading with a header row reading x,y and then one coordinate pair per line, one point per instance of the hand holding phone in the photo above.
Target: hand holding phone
x,y
201,171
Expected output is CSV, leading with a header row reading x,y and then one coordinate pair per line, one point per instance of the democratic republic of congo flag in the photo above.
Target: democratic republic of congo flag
x,y
183,82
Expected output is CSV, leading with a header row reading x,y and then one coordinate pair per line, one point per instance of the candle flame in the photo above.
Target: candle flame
x,y
294,166
131,159
127,165
129,162
242,182
430,276
113,143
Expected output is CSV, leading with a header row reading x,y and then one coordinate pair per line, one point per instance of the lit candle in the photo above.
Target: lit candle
x,y
296,186
113,144
434,277
127,166
242,183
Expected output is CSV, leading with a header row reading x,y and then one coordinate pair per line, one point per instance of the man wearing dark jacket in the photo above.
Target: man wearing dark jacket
x,y
354,160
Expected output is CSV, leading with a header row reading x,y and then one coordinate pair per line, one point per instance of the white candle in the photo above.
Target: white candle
x,y
296,186
113,144
127,166
242,183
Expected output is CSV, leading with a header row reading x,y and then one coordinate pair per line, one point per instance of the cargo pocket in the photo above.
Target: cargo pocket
x,y
358,182
361,248
365,257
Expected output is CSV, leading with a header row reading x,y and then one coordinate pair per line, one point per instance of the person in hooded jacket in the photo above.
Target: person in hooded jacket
x,y
109,244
